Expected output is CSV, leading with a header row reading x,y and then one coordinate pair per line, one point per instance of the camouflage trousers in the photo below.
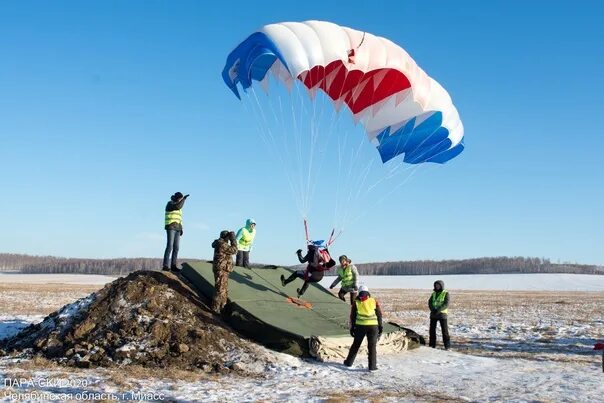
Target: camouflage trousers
x,y
221,288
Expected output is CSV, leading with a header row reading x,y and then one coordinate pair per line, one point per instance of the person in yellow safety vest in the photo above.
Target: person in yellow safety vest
x,y
365,320
245,241
439,304
349,276
173,227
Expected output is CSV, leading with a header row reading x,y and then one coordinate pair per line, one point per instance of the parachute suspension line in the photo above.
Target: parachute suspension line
x,y
336,119
332,239
312,149
355,187
306,230
321,139
306,157
297,131
293,155
285,133
362,40
385,196
360,189
350,160
272,144
352,183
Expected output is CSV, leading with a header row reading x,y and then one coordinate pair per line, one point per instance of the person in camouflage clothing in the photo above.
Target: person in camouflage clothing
x,y
224,249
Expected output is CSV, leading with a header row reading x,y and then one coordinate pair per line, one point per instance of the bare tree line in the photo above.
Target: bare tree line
x,y
485,265
50,264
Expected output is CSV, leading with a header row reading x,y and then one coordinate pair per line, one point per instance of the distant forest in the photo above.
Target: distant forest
x,y
486,265
51,264
483,265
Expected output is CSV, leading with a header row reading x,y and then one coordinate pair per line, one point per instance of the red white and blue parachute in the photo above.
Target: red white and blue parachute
x,y
402,109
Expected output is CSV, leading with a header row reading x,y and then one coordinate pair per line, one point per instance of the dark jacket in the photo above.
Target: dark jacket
x,y
224,249
311,257
435,310
363,295
171,206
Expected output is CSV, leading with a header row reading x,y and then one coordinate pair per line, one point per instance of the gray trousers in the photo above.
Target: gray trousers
x,y
171,247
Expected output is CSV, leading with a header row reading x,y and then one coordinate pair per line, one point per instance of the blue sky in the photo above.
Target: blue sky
x,y
109,107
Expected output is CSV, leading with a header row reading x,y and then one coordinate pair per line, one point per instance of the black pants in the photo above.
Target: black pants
x,y
445,329
372,337
243,258
314,277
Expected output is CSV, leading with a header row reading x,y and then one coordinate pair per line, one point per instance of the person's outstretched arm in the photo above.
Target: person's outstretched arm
x,y
300,258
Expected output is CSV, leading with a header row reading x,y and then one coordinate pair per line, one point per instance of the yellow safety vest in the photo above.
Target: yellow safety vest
x,y
345,275
438,301
366,315
174,216
246,240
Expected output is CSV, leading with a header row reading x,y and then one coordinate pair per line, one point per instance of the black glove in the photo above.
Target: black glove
x,y
233,238
352,331
331,287
299,251
380,330
186,196
181,232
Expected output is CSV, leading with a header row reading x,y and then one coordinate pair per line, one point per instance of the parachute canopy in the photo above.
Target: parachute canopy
x,y
402,109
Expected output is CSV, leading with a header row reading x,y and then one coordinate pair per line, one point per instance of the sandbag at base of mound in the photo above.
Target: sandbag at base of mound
x,y
336,348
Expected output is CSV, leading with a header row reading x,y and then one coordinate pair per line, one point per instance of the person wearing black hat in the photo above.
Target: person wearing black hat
x,y
173,226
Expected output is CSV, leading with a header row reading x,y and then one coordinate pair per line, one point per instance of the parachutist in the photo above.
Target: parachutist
x,y
318,260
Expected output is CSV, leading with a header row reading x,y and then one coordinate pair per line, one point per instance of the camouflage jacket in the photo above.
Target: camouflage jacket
x,y
223,255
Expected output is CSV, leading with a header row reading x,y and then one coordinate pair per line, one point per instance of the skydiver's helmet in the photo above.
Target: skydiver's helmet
x,y
363,288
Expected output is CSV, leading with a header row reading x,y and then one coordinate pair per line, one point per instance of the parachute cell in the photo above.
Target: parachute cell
x,y
402,109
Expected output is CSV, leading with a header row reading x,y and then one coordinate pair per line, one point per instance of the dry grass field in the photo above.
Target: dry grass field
x,y
536,324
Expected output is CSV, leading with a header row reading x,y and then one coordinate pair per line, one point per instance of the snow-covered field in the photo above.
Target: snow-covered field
x,y
512,343
508,282
18,278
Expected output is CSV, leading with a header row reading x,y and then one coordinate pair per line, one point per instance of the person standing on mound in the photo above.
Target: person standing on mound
x,y
222,264
173,227
245,241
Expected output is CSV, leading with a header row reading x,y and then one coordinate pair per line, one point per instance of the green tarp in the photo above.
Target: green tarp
x,y
261,308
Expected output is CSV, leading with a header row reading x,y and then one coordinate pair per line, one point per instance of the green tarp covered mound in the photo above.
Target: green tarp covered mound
x,y
260,308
